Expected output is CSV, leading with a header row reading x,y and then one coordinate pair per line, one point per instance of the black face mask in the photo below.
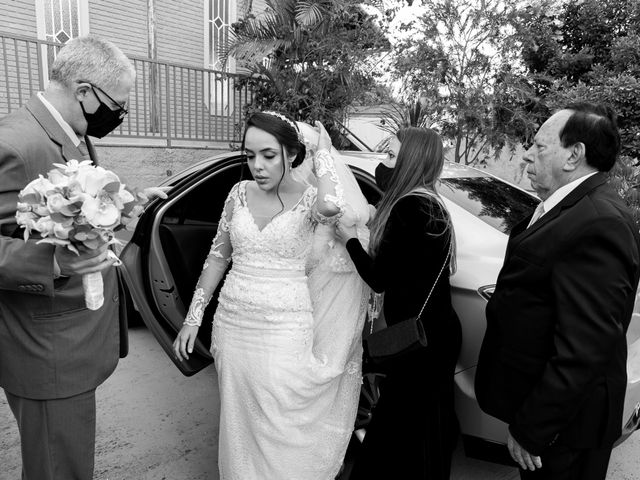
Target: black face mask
x,y
104,120
383,176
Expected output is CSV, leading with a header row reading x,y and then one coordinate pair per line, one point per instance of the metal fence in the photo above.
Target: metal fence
x,y
171,103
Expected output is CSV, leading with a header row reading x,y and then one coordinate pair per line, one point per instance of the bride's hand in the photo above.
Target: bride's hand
x,y
324,140
344,233
183,344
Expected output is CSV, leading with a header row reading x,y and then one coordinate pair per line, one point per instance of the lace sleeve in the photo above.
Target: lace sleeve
x,y
330,203
215,264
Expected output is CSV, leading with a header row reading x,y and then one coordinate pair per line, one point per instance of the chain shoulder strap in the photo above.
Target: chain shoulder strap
x,y
377,300
436,282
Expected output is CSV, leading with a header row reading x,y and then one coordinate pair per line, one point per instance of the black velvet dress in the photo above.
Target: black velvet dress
x,y
414,427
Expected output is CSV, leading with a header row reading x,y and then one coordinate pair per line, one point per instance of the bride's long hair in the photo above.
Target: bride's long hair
x,y
418,167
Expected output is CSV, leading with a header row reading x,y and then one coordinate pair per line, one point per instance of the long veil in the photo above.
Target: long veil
x,y
358,209
339,300
338,293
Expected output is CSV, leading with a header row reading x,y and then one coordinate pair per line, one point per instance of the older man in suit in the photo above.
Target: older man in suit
x,y
53,351
553,360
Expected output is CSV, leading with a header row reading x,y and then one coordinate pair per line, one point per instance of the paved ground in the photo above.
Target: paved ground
x,y
155,424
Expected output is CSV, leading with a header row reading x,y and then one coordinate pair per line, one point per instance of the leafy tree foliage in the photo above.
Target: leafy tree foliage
x,y
462,63
589,51
625,177
593,27
309,58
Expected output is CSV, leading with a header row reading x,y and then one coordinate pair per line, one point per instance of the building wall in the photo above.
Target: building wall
x,y
179,28
18,17
151,165
18,59
195,113
124,22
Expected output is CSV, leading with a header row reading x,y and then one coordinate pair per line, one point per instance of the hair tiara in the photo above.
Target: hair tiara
x,y
288,121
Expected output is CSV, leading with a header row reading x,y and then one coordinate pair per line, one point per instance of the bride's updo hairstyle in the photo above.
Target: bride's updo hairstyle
x,y
284,129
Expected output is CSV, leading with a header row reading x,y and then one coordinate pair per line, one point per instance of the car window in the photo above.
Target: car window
x,y
203,205
491,200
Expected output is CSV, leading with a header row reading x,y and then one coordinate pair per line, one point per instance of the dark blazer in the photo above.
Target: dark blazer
x,y
51,346
553,360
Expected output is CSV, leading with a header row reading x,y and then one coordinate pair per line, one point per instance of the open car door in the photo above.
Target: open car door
x,y
164,258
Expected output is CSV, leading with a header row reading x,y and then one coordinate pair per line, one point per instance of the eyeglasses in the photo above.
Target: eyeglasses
x,y
123,111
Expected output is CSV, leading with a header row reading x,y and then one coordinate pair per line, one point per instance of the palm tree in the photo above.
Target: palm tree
x,y
305,57
399,115
282,28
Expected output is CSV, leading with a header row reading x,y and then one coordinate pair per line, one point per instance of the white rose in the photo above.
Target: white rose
x,y
44,225
28,219
61,231
56,202
36,191
40,210
23,207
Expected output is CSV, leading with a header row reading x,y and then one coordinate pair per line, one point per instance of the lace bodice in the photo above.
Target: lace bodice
x,y
282,244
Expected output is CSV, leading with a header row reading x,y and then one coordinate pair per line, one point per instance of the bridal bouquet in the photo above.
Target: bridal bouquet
x,y
80,204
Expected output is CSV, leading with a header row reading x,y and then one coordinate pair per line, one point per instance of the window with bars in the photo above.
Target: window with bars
x,y
220,14
59,21
62,19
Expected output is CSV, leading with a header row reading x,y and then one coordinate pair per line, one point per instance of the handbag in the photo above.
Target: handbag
x,y
403,337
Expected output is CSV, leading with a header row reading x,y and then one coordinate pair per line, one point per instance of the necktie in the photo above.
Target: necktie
x,y
82,146
537,214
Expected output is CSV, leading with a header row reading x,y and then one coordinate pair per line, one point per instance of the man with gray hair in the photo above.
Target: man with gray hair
x,y
53,351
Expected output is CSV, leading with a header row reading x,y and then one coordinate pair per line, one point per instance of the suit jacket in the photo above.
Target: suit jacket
x,y
51,346
553,360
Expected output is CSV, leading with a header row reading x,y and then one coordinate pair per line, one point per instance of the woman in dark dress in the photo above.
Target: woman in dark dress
x,y
414,428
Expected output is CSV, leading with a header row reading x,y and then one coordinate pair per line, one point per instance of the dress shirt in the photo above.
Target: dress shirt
x,y
539,211
63,124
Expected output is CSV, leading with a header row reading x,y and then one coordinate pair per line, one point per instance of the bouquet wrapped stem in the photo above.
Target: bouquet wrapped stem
x,y
93,290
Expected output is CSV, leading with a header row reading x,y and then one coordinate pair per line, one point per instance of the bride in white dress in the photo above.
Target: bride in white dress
x,y
286,333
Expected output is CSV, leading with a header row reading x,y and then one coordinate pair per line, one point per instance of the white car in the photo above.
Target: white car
x,y
164,257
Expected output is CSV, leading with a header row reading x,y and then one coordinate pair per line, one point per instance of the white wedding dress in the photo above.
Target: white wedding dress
x,y
286,341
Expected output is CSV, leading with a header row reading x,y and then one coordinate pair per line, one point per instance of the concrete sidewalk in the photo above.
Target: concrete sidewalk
x,y
153,423
156,424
